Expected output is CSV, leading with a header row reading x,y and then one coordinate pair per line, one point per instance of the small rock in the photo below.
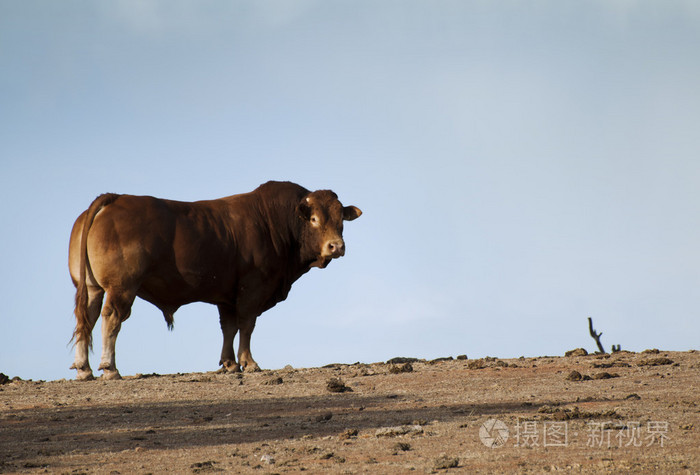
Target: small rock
x,y
560,415
274,381
4,379
324,417
440,360
349,434
402,446
655,362
404,368
402,360
476,364
605,375
336,385
363,372
398,430
633,396
144,376
577,352
574,376
444,462
203,466
267,459
614,364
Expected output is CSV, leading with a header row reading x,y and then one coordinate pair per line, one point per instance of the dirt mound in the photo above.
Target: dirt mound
x,y
445,415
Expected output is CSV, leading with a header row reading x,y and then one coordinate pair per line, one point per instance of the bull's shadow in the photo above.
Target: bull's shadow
x,y
35,434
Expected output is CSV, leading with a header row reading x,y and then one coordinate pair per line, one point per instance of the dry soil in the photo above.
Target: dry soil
x,y
620,413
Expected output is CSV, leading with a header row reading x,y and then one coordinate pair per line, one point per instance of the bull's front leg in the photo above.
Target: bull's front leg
x,y
246,326
229,328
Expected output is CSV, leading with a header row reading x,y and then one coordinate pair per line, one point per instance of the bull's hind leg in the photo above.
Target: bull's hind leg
x,y
245,358
229,328
82,348
117,308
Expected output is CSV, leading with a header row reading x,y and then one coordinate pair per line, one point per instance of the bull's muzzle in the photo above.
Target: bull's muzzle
x,y
334,248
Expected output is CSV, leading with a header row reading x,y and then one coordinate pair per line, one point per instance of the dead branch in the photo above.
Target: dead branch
x,y
596,336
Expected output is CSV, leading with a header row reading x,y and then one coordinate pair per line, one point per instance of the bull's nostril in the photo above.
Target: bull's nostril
x,y
336,248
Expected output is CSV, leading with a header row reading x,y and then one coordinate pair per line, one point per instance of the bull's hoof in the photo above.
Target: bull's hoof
x,y
84,372
252,367
84,375
230,367
109,374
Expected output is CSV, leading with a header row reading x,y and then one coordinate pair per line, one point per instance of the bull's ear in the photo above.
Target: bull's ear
x,y
351,212
304,208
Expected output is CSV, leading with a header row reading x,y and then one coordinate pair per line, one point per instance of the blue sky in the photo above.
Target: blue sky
x,y
521,166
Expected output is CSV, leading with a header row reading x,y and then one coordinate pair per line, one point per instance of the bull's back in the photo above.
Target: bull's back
x,y
157,248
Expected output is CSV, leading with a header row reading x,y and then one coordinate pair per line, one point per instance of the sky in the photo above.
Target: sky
x,y
521,166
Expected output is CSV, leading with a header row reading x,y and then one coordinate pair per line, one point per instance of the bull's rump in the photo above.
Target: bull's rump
x,y
168,252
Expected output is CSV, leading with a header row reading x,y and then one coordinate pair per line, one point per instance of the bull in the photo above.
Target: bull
x,y
241,253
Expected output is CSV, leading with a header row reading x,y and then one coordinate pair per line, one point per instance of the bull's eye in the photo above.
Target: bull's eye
x,y
314,221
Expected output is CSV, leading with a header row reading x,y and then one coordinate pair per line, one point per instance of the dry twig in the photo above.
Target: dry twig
x,y
596,336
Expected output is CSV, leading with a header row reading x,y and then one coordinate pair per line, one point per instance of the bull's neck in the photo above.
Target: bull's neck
x,y
282,225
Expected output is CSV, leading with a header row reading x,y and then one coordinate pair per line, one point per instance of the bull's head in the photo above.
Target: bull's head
x,y
323,217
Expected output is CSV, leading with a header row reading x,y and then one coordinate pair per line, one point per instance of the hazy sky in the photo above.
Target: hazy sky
x,y
521,166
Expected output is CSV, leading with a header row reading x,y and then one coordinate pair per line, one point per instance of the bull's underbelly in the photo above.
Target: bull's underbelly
x,y
250,294
178,292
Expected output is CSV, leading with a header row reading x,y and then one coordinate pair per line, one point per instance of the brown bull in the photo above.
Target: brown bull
x,y
241,253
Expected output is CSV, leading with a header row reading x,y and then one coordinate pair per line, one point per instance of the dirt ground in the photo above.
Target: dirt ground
x,y
620,413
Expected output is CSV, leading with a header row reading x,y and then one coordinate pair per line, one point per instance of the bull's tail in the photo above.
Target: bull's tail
x,y
83,328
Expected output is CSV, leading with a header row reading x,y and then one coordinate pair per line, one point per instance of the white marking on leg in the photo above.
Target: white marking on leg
x,y
110,330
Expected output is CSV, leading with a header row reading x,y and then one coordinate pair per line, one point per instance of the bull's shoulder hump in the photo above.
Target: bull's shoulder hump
x,y
154,209
281,187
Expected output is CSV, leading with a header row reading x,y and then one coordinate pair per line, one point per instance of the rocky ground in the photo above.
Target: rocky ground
x,y
620,413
